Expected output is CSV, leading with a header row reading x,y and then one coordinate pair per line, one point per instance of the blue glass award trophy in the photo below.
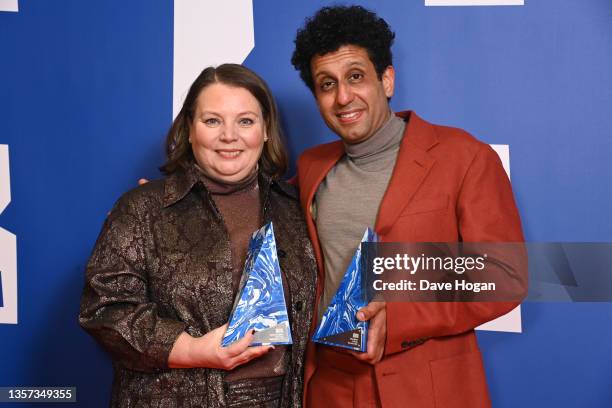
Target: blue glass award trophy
x,y
339,325
260,303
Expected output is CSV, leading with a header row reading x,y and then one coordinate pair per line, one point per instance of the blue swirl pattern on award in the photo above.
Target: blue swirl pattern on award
x,y
339,325
261,301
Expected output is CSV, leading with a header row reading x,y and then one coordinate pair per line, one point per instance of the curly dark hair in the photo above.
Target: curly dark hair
x,y
332,27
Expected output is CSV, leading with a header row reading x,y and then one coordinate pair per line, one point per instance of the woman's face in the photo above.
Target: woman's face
x,y
227,133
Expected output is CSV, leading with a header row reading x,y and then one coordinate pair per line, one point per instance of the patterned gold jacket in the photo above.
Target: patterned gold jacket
x,y
161,266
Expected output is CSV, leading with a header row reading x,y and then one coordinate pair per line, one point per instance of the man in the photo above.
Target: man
x,y
413,182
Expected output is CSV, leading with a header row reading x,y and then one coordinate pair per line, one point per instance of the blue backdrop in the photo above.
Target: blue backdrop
x,y
86,97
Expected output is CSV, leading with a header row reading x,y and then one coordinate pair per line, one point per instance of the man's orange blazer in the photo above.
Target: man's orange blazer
x,y
446,187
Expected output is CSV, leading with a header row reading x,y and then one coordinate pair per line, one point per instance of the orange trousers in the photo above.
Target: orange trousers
x,y
341,381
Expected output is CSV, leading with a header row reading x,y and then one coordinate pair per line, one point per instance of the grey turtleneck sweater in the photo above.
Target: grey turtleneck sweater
x,y
347,201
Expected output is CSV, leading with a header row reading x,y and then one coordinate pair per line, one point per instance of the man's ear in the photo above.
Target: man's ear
x,y
388,81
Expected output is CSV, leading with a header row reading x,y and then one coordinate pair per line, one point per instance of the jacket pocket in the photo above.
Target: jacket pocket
x,y
425,205
459,381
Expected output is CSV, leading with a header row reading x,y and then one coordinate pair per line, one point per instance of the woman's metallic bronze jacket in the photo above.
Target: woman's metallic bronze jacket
x,y
162,266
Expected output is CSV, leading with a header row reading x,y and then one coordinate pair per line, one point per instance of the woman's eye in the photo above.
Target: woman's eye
x,y
211,121
246,122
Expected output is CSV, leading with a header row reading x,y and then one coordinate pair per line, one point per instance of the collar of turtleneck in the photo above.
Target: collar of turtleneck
x,y
384,141
225,187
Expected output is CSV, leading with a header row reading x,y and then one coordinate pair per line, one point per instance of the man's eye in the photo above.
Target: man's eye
x,y
356,77
246,122
326,85
211,121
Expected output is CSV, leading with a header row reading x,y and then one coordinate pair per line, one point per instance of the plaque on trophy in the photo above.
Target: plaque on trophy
x,y
339,325
260,303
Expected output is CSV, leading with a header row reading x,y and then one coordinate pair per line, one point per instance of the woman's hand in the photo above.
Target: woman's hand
x,y
207,352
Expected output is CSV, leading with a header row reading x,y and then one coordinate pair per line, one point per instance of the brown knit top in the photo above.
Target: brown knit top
x,y
240,206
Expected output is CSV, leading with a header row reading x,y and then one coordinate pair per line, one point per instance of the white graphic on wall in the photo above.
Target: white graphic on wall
x,y
511,321
8,248
9,5
474,2
503,151
208,33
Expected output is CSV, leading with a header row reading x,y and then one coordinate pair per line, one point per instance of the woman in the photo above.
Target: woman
x,y
166,268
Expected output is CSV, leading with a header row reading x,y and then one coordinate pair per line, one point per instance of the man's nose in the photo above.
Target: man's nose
x,y
344,96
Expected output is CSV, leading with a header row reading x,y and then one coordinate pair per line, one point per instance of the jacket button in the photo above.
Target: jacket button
x,y
405,344
299,305
281,253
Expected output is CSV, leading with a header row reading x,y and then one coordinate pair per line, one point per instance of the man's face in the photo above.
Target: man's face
x,y
351,98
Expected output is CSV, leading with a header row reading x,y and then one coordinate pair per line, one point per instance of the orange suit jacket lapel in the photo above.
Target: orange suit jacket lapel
x,y
311,173
412,166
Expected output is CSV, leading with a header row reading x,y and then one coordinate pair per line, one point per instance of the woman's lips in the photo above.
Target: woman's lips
x,y
229,154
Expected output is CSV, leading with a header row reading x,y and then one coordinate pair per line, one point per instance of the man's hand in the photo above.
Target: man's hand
x,y
376,313
142,181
